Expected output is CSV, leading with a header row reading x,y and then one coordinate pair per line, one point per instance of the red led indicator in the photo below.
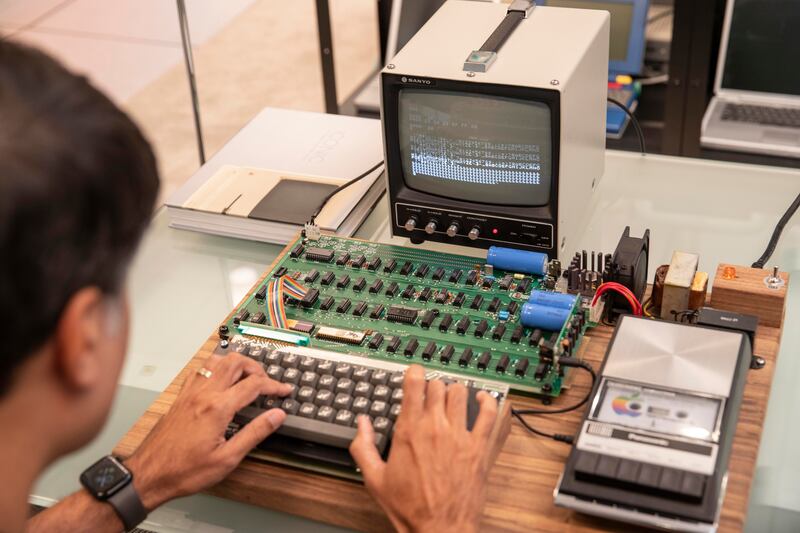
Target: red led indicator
x,y
495,231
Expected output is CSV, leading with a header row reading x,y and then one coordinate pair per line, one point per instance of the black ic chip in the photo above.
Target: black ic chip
x,y
401,314
321,255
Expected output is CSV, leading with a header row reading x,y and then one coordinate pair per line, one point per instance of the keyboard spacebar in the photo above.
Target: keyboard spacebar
x,y
315,431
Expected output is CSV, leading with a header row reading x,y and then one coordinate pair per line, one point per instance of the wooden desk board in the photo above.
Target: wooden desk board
x,y
520,495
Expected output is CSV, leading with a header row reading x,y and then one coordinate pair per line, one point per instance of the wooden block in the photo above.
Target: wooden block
x,y
748,293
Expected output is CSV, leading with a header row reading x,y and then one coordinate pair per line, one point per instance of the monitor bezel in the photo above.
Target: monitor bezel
x,y
392,84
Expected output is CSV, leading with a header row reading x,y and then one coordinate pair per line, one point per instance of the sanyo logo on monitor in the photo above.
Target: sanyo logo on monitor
x,y
418,81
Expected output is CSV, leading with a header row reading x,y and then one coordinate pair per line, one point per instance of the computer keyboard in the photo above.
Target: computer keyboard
x,y
330,390
766,115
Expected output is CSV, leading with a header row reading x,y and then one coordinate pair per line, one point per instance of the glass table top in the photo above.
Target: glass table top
x,y
183,283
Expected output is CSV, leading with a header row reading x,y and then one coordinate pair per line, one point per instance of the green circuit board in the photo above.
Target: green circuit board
x,y
427,287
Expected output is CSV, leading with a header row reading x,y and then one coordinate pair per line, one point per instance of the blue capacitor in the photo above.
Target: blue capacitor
x,y
512,260
544,317
552,299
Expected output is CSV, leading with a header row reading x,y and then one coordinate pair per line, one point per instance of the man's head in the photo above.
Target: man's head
x,y
78,182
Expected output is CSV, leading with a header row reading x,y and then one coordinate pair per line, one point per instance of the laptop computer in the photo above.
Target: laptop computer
x,y
756,103
406,18
625,54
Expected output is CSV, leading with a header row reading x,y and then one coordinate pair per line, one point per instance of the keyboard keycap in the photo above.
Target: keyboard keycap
x,y
292,375
382,425
396,380
363,389
360,405
325,367
290,406
378,408
343,401
273,358
345,386
275,372
307,410
305,394
308,364
382,393
379,377
326,382
290,360
343,370
361,374
344,418
325,413
308,379
397,396
324,397
394,412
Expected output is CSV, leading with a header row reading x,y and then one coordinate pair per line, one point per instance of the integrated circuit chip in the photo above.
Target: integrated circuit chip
x,y
405,315
340,335
302,326
319,254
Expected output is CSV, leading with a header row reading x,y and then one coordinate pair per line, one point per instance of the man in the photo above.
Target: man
x,y
78,183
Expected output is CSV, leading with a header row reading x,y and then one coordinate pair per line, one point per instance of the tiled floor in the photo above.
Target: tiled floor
x,y
122,45
131,50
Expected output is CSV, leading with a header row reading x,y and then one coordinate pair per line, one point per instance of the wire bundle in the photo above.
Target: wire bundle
x,y
619,288
276,289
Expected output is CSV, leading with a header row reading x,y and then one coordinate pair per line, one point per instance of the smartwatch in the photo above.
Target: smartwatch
x,y
108,480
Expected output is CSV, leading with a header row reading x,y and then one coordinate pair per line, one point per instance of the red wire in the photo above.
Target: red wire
x,y
636,306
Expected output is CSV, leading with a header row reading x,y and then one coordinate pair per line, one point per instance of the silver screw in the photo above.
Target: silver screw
x,y
470,74
390,66
554,82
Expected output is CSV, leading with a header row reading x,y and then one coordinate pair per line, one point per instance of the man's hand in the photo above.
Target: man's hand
x,y
187,451
435,478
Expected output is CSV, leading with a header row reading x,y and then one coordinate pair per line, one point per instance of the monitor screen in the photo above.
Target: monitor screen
x,y
476,148
621,22
763,50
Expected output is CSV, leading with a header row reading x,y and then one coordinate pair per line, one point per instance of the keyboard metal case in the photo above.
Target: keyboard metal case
x,y
659,456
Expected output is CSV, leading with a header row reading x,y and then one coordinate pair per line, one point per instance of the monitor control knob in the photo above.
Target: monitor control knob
x,y
452,229
430,227
411,223
474,233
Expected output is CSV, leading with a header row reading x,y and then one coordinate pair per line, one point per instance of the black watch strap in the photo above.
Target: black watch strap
x,y
128,505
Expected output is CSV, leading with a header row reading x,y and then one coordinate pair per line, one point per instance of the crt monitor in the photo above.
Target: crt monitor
x,y
509,156
628,24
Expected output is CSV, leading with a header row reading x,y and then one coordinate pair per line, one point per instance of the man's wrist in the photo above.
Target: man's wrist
x,y
147,483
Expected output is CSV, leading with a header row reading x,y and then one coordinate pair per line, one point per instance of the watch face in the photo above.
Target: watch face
x,y
105,477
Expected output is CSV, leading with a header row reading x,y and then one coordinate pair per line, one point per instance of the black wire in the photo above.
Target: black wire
x,y
340,188
634,121
776,234
518,413
555,436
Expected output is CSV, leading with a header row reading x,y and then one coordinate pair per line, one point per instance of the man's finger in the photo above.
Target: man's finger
x,y
254,432
366,454
245,391
486,416
435,397
413,391
231,369
457,405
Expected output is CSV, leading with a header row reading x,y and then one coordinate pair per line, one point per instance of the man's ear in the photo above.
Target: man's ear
x,y
78,338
